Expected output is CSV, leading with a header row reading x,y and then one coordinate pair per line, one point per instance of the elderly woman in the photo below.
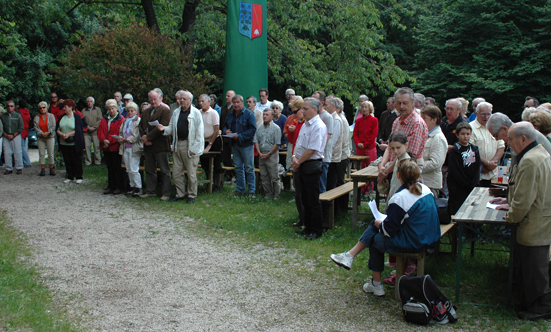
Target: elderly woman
x,y
44,124
365,134
288,132
527,112
542,122
108,132
131,148
464,106
70,130
436,148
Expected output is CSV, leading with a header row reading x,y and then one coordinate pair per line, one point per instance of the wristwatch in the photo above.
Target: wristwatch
x,y
210,143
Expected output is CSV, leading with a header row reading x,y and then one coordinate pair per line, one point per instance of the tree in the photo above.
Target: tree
x,y
496,49
131,59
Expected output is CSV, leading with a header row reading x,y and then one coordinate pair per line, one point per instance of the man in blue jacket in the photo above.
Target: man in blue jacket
x,y
240,126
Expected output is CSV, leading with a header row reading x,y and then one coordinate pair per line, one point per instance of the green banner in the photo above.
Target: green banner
x,y
246,69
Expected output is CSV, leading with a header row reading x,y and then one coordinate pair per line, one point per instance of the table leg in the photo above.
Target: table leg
x,y
211,173
511,256
458,270
355,198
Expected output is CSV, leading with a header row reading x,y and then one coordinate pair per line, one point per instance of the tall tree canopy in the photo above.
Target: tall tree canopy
x,y
498,49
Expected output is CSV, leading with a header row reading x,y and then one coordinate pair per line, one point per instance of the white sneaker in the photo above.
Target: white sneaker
x,y
79,181
343,260
376,290
67,181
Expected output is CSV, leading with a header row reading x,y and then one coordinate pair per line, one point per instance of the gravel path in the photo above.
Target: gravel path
x,y
124,270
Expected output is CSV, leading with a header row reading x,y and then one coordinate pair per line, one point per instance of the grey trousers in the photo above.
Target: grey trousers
x,y
269,175
152,161
88,140
13,148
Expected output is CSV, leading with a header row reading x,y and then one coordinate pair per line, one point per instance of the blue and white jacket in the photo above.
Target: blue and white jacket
x,y
412,221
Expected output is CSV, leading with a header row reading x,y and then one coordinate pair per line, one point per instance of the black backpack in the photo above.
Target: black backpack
x,y
423,302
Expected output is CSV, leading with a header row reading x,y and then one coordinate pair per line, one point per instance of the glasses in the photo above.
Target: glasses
x,y
53,97
42,107
486,115
11,105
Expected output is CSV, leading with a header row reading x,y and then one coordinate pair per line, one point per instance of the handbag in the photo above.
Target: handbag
x,y
70,139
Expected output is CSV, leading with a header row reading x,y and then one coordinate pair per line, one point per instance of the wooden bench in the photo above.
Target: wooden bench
x,y
401,258
329,197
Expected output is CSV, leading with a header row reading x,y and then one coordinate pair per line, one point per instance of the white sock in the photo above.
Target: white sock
x,y
348,254
375,283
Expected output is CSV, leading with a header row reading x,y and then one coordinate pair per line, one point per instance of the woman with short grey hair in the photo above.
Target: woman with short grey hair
x,y
44,124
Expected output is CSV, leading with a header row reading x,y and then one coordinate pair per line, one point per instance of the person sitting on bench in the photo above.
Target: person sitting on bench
x,y
411,225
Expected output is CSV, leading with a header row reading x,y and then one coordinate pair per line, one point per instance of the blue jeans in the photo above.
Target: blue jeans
x,y
323,178
243,158
24,153
375,241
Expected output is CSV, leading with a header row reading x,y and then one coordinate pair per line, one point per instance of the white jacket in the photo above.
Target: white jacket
x,y
196,131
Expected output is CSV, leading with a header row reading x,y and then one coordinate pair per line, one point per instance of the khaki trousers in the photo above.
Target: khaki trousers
x,y
88,140
182,162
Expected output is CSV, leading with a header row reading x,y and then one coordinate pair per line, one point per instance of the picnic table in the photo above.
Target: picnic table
x,y
357,160
210,175
368,174
474,212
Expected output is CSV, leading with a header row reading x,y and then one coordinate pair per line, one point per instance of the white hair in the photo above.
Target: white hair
x,y
289,90
484,104
93,100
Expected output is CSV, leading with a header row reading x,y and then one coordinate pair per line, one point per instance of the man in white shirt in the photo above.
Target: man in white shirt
x,y
490,149
307,166
264,102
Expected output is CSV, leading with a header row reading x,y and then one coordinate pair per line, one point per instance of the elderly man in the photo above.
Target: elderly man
x,y
264,103
531,102
118,97
160,92
213,142
449,122
498,125
12,129
92,115
529,204
126,99
289,94
419,102
490,149
307,166
226,146
412,125
186,125
475,103
240,127
429,101
342,202
337,137
328,121
251,105
386,120
156,146
267,140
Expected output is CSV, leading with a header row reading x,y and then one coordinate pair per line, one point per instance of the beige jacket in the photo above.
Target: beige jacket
x,y
529,198
135,139
434,154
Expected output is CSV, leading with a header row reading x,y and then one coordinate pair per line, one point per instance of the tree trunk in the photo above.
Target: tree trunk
x,y
150,16
189,16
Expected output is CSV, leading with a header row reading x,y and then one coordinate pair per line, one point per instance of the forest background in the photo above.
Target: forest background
x,y
497,49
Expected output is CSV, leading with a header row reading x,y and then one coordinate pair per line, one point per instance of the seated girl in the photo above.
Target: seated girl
x,y
411,225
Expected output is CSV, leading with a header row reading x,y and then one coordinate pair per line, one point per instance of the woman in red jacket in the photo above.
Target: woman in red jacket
x,y
26,116
365,133
108,132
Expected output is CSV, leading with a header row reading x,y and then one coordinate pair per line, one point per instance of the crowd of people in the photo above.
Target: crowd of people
x,y
421,154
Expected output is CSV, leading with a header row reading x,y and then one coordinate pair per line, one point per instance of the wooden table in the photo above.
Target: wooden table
x,y
474,211
358,161
368,174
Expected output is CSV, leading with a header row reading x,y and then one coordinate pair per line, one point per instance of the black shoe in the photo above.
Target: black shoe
x,y
108,191
136,192
130,191
301,232
190,200
19,171
42,172
8,172
532,315
176,199
117,192
312,236
52,171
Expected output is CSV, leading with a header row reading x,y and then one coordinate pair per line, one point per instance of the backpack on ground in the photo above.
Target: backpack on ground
x,y
423,302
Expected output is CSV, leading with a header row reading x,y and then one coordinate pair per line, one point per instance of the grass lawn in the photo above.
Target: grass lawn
x,y
252,222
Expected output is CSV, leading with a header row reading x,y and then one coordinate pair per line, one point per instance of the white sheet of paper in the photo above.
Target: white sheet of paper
x,y
492,206
116,136
230,135
378,215
154,123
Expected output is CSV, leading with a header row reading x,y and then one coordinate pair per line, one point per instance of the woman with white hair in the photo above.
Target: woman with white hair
x,y
44,124
108,130
131,148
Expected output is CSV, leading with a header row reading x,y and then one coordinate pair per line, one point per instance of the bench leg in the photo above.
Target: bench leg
x,y
331,214
400,261
421,265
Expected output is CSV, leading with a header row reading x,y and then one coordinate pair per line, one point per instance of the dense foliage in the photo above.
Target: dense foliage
x,y
132,59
